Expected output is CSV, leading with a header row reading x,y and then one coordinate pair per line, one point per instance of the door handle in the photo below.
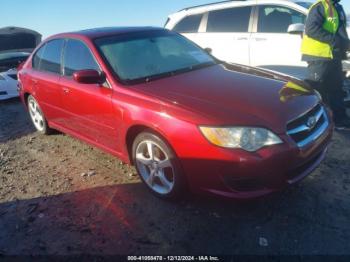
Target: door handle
x,y
260,39
66,90
35,81
242,38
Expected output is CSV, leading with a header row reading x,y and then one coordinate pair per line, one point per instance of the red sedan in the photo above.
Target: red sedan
x,y
185,120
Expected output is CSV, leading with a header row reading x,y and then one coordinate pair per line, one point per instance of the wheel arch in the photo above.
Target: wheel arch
x,y
25,96
137,129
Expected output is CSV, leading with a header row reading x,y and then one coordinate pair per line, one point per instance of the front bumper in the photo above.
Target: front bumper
x,y
8,87
242,175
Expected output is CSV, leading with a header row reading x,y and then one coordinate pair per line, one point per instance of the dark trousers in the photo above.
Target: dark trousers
x,y
327,77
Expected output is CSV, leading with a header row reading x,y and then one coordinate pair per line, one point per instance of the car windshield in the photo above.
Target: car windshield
x,y
305,4
151,55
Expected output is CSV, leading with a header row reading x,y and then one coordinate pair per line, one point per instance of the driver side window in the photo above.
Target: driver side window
x,y
277,19
77,56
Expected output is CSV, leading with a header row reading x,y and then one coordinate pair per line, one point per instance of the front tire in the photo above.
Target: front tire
x,y
37,116
158,166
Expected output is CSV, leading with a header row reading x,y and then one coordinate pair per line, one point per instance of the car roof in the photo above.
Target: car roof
x,y
107,31
174,18
233,1
209,4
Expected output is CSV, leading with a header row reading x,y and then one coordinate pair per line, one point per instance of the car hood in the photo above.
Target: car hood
x,y
229,95
13,39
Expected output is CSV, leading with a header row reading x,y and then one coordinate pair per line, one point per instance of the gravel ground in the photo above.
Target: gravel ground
x,y
61,196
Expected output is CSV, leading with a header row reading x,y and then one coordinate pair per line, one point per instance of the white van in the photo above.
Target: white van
x,y
263,33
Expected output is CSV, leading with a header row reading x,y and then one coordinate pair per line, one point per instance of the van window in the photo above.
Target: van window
x,y
229,20
48,57
77,56
189,24
276,19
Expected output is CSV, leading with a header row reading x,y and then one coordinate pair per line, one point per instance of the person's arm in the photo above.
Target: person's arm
x,y
314,25
342,30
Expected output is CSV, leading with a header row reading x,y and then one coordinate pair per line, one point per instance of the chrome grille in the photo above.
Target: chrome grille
x,y
308,127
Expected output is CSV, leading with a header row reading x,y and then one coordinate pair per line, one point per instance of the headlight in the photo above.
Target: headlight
x,y
248,138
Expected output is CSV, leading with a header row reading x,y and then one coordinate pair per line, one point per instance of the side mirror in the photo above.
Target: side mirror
x,y
208,50
296,29
89,76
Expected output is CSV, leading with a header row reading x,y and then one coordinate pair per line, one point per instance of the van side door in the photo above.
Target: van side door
x,y
271,46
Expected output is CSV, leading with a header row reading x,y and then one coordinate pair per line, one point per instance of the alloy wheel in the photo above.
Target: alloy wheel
x,y
36,114
155,167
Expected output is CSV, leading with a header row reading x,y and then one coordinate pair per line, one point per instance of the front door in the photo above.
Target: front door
x,y
89,110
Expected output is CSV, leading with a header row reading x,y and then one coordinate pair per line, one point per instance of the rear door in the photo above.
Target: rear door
x,y
44,78
227,34
272,46
88,107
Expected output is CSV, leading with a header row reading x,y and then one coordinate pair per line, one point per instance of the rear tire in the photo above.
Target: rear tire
x,y
37,116
158,166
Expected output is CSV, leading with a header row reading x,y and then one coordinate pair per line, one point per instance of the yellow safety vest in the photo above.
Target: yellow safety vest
x,y
317,48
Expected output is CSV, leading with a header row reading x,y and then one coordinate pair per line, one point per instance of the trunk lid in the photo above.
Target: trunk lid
x,y
13,39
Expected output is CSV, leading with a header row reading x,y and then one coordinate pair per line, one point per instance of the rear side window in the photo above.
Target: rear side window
x,y
229,20
48,57
37,58
77,56
190,24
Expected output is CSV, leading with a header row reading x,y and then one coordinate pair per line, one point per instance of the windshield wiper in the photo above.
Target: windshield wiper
x,y
203,65
147,78
170,73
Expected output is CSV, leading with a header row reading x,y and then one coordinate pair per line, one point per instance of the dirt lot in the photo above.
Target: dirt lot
x,y
61,196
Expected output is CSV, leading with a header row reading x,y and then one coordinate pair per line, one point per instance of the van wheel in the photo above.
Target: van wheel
x,y
158,166
37,116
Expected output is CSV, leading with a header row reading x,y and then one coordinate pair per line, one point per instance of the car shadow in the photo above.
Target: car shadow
x,y
121,219
127,219
14,119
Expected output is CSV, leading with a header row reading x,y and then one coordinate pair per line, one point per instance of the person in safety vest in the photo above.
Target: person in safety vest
x,y
324,46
